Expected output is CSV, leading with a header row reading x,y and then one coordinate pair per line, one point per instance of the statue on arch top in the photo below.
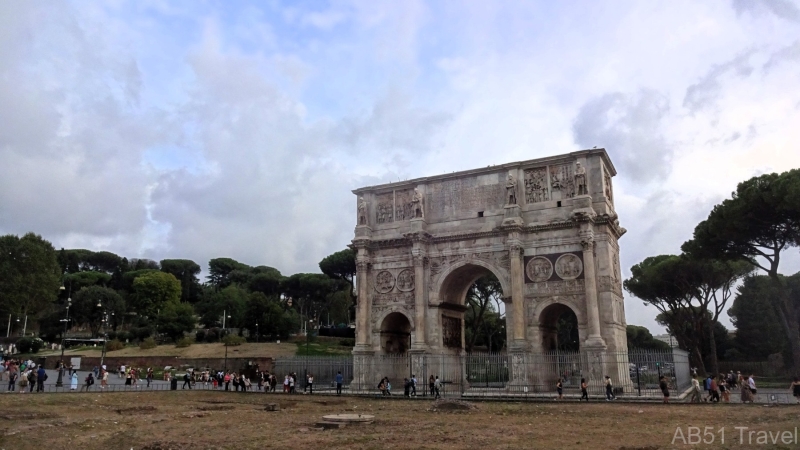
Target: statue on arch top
x,y
511,190
362,211
418,205
580,180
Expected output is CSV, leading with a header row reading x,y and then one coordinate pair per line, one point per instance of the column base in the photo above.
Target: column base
x,y
595,343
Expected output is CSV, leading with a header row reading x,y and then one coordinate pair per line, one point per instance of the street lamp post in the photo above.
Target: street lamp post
x,y
105,338
256,332
310,321
60,380
225,316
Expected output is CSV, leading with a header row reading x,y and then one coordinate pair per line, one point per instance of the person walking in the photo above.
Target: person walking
x,y
88,382
746,393
227,380
149,376
714,391
103,379
584,390
795,388
436,387
751,384
73,385
413,385
560,389
187,381
12,380
431,384
723,389
697,396
41,377
310,383
33,378
664,386
339,381
609,389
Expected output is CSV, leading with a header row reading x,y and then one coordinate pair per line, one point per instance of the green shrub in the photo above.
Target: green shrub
x,y
29,345
115,344
200,335
347,342
184,342
148,344
233,340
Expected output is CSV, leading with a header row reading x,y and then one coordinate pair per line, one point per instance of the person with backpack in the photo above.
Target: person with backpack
x,y
33,378
41,377
187,380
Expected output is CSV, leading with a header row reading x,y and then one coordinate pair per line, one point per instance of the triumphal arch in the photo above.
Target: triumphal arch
x,y
545,228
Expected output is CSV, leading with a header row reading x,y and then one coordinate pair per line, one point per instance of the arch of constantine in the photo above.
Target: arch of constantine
x,y
545,228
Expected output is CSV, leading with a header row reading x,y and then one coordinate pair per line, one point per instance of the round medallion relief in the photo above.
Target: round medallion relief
x,y
569,266
384,282
405,280
539,269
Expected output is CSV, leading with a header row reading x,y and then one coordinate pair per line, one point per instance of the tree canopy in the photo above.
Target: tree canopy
x,y
152,291
30,276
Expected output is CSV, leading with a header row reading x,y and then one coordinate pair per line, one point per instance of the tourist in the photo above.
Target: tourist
x,y
23,380
382,386
339,381
12,379
246,386
123,372
723,389
436,387
186,381
33,378
286,384
128,379
414,385
89,381
662,384
149,376
751,384
293,383
227,380
388,386
103,378
746,393
74,381
406,387
697,396
609,389
795,388
273,382
431,384
560,389
310,383
714,391
41,377
584,390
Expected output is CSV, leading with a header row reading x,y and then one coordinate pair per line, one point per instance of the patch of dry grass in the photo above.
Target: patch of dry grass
x,y
177,420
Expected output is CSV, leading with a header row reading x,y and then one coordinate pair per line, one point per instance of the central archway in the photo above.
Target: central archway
x,y
395,334
453,291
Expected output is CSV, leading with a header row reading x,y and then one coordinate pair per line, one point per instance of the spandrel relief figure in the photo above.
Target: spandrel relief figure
x,y
418,204
511,190
362,211
580,179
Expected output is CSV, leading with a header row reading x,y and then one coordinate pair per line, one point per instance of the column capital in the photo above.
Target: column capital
x,y
587,244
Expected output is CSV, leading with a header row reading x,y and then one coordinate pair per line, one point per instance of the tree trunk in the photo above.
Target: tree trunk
x,y
696,360
712,345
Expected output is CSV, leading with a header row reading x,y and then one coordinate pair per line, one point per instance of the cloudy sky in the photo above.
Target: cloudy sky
x,y
202,129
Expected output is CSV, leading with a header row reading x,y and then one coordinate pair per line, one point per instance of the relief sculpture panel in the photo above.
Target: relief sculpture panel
x,y
405,280
539,269
569,266
404,207
384,204
536,185
462,197
451,332
384,282
607,186
562,181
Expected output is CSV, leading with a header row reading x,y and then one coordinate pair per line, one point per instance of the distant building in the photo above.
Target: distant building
x,y
667,338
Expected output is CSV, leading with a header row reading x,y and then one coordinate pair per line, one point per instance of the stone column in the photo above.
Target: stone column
x,y
362,324
517,293
420,338
595,339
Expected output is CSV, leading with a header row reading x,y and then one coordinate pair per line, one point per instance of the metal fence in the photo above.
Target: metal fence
x,y
633,374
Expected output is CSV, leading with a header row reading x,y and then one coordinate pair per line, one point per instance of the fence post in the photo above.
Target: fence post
x,y
638,381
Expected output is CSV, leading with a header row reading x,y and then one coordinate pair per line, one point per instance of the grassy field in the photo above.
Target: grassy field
x,y
297,346
202,420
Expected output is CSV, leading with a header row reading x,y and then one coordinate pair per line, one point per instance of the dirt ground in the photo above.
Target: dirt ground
x,y
201,420
217,350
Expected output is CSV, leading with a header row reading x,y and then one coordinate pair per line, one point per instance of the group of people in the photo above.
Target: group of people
x,y
409,386
609,386
718,388
24,374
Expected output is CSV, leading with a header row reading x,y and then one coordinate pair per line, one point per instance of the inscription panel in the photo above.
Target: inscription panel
x,y
403,298
463,198
548,288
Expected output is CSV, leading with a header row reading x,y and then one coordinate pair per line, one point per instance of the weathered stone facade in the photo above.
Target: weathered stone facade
x,y
546,228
